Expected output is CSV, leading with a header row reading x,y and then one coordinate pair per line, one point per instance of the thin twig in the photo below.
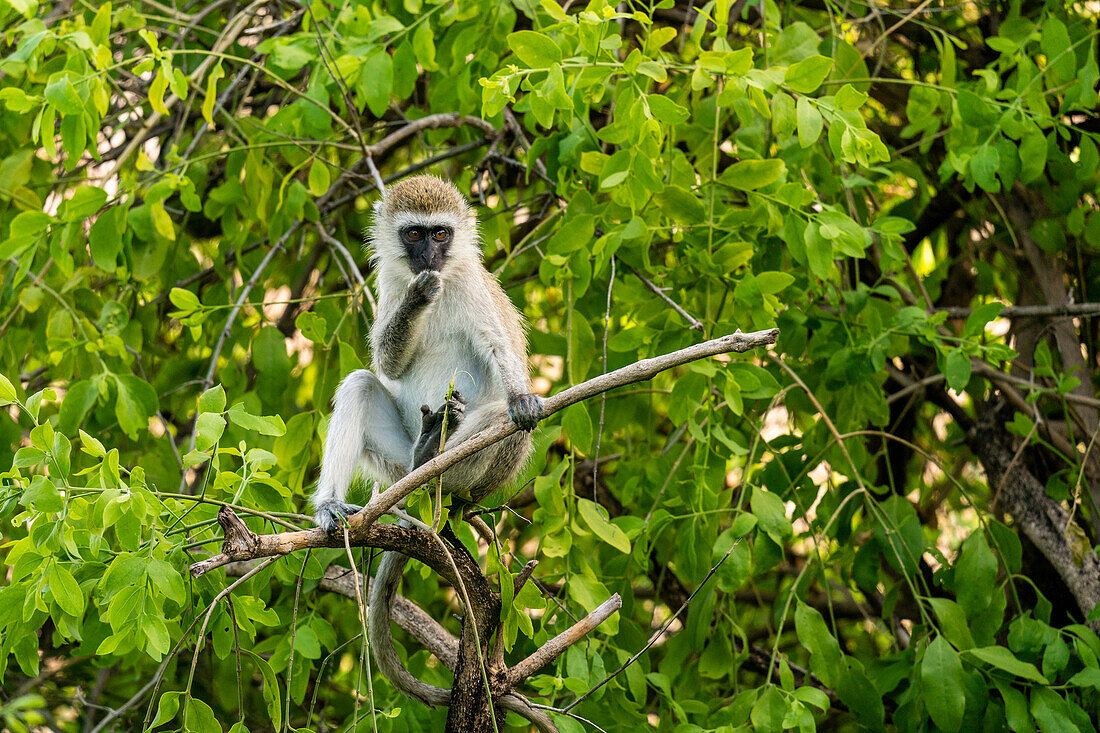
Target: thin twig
x,y
603,397
656,634
693,323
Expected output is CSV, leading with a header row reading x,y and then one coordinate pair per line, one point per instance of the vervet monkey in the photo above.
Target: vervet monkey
x,y
442,319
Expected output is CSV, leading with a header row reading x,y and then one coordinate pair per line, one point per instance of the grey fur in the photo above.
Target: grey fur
x,y
434,331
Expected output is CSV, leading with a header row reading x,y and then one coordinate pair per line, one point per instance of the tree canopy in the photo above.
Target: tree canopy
x,y
887,520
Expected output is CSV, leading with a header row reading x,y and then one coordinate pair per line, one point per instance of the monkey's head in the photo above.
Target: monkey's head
x,y
423,223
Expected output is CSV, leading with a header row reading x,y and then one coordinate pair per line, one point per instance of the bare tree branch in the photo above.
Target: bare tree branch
x,y
554,648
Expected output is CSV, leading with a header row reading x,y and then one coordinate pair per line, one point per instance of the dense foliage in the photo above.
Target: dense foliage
x,y
899,507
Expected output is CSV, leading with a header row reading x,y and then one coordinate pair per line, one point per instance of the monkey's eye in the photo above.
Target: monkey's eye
x,y
439,235
414,233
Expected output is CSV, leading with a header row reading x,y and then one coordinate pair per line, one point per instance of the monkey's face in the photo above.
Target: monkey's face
x,y
426,245
423,223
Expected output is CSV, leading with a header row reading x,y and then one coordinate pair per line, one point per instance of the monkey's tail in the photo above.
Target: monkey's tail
x,y
390,569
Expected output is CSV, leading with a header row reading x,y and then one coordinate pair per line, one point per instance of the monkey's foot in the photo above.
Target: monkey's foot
x,y
525,410
331,516
431,427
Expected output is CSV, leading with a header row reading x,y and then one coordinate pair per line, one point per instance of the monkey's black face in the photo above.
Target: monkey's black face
x,y
426,247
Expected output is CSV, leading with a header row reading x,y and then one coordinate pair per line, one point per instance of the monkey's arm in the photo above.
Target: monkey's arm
x,y
396,342
524,407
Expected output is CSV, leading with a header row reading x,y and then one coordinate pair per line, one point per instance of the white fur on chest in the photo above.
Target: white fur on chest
x,y
450,346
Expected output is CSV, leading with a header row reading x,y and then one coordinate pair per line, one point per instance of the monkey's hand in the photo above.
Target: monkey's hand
x,y
525,410
424,288
431,427
331,516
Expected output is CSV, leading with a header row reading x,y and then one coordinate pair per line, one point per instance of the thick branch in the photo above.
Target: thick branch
x,y
1031,311
241,543
409,616
554,648
1045,522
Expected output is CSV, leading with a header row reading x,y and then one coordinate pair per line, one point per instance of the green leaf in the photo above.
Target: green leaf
x,y
975,574
26,230
65,590
771,283
213,399
185,300
156,93
78,400
957,369
826,659
208,430
1033,155
591,514
404,71
290,55
423,46
534,49
1004,659
578,426
769,711
582,343
318,177
167,708
61,93
941,677
682,205
749,175
664,109
264,425
858,692
136,402
376,81
212,79
983,314
653,70
770,514
1016,712
86,201
849,98
983,167
806,76
953,623
41,494
105,238
8,395
271,692
1051,711
1059,50
199,718
810,122
162,222
814,697
1087,677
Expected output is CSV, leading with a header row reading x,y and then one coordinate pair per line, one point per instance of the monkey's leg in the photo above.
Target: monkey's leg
x,y
431,428
493,467
365,430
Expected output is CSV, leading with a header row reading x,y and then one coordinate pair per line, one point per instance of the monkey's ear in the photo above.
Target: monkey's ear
x,y
425,410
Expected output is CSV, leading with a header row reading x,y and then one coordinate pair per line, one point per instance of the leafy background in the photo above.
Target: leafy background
x,y
890,523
